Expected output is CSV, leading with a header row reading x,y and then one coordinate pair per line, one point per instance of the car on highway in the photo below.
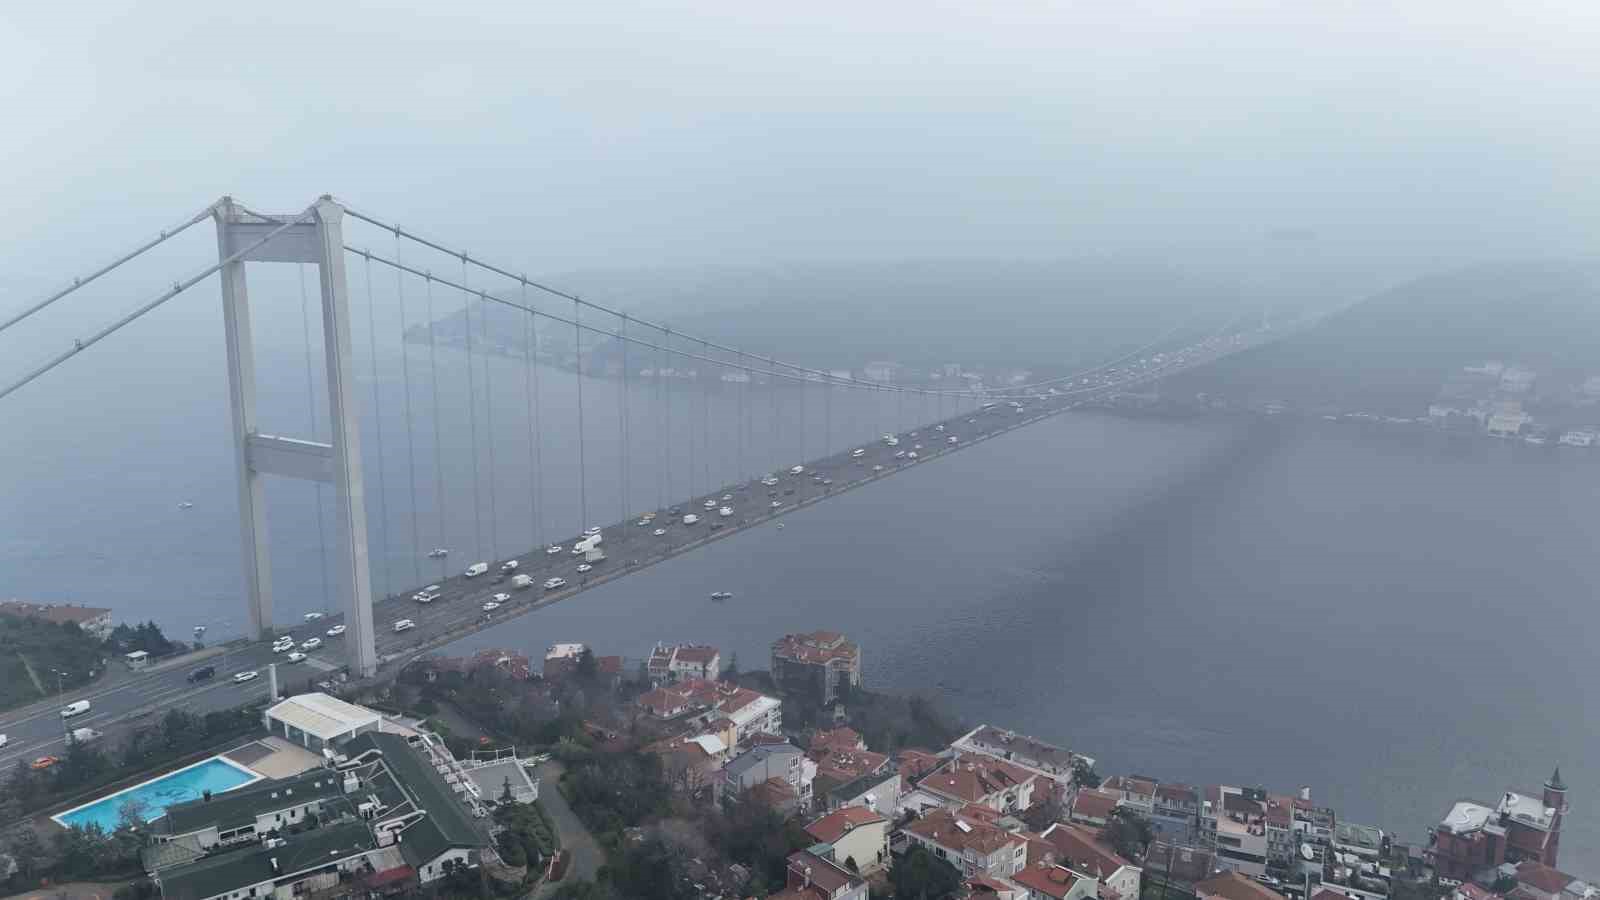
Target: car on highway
x,y
4,740
797,470
204,673
912,455
775,504
659,532
690,519
510,565
404,625
725,511
335,631
553,549
858,453
938,428
827,481
476,569
313,616
247,675
44,762
951,439
709,504
297,656
425,596
283,643
310,644
591,531
769,481
585,568
727,498
644,521
552,584
900,454
491,606
501,598
877,468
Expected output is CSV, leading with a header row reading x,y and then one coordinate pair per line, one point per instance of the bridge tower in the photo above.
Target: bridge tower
x,y
316,238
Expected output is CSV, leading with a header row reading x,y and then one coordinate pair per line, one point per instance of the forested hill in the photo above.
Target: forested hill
x,y
1389,354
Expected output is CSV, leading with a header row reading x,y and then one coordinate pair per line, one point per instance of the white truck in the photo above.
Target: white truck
x,y
522,582
476,569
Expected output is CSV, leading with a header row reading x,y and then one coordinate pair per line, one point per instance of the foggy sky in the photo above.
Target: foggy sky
x,y
591,134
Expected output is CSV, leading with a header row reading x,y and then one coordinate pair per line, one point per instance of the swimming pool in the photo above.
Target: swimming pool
x,y
154,796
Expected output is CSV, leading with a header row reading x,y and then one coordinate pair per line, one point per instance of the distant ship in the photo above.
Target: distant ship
x,y
722,595
186,505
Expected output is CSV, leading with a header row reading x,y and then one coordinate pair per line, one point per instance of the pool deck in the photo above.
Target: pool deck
x,y
274,757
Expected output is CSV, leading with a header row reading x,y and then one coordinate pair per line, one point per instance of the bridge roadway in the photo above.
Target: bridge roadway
x,y
38,729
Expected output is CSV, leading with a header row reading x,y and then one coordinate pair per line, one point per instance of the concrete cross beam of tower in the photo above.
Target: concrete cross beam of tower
x,y
317,240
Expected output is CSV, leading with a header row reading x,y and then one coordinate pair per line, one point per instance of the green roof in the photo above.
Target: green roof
x,y
222,873
447,824
241,805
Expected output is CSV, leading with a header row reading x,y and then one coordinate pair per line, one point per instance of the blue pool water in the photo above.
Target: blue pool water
x,y
153,797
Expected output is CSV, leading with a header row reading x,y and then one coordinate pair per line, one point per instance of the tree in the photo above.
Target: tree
x,y
922,876
1083,774
731,672
850,863
505,792
588,666
1128,833
25,849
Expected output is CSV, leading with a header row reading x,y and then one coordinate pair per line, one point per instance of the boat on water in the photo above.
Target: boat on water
x,y
186,505
722,595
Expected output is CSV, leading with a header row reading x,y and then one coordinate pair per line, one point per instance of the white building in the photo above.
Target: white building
x,y
317,721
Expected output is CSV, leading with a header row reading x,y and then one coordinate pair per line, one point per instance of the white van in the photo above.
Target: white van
x,y
75,709
522,581
404,624
477,569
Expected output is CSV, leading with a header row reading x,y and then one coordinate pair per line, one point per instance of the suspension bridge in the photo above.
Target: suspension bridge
x,y
755,437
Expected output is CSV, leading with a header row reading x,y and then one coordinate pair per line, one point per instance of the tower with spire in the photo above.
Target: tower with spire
x,y
1555,797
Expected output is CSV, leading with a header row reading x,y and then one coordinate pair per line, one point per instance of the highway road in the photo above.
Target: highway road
x,y
629,546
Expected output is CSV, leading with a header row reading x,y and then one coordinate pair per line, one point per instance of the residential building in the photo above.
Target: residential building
x,y
378,815
810,877
94,620
1475,836
1364,841
751,713
318,721
1082,850
968,839
782,762
1234,820
676,662
1283,844
1175,812
1041,757
842,758
1537,881
973,778
1233,886
857,838
1135,791
562,659
1178,866
823,663
1092,807
1053,882
879,791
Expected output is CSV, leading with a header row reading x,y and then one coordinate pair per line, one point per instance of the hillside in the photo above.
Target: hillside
x,y
1389,354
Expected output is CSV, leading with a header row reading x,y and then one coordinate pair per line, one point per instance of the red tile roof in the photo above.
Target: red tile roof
x,y
843,738
1542,877
843,767
1053,881
1083,850
842,821
943,827
1233,886
697,654
974,777
914,764
1094,804
815,648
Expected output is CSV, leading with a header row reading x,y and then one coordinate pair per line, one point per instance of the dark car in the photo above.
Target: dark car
x,y
203,673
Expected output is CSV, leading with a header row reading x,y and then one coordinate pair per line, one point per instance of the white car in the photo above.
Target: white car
x,y
554,583
282,647
553,549
335,631
727,498
242,677
659,532
916,446
425,597
510,565
797,470
775,504
491,606
297,656
725,512
313,616
500,598
857,453
591,531
899,454
709,504
912,455
404,625
769,481
643,522
310,644
585,568
877,468
938,428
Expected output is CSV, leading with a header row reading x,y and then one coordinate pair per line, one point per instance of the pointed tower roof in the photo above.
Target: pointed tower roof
x,y
1555,783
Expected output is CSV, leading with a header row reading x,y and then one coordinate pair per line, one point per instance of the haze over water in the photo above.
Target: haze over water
x,y
1378,616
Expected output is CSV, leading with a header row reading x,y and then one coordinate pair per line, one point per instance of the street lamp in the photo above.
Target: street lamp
x,y
59,676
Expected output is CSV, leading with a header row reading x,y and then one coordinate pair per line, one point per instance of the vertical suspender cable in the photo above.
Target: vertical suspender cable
x,y
744,386
377,428
622,420
411,443
527,403
827,415
488,429
577,355
438,443
472,414
666,445
705,422
535,432
694,389
311,401
777,420
805,384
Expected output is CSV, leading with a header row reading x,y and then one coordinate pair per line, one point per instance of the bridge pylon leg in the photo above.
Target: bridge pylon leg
x,y
316,239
